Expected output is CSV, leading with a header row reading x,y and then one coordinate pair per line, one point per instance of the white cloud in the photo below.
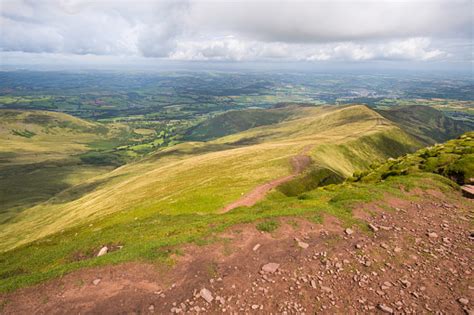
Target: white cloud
x,y
231,48
319,30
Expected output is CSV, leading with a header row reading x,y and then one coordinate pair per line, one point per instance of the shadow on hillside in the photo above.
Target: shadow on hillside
x,y
23,186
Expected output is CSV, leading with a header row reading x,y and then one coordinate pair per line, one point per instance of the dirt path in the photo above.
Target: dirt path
x,y
299,163
418,261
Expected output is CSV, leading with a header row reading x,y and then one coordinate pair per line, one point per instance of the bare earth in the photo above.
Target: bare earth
x,y
418,261
298,163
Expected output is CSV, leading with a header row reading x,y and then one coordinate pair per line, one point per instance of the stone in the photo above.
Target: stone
x,y
303,245
96,281
255,306
326,289
432,235
373,227
313,284
206,295
384,308
256,247
468,191
397,249
270,267
463,301
103,251
349,231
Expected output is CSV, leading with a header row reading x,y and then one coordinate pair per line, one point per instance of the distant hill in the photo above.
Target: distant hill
x,y
40,156
236,121
426,124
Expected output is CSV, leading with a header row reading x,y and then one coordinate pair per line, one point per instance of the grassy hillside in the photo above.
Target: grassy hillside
x,y
236,121
426,124
41,154
153,235
453,159
201,178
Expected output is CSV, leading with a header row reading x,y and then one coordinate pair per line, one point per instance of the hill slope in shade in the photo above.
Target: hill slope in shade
x,y
39,156
426,124
236,121
192,179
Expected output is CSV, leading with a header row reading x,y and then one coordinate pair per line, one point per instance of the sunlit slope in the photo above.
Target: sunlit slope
x,y
38,156
204,177
35,136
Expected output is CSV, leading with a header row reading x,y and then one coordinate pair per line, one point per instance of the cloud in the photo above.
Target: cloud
x,y
336,20
320,30
231,48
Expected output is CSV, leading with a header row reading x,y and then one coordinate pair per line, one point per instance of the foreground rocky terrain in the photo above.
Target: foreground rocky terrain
x,y
410,256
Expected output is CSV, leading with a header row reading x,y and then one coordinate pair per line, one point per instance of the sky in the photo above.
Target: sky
x,y
417,32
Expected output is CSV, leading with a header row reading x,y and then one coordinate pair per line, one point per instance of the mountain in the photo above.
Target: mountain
x,y
182,194
426,124
40,156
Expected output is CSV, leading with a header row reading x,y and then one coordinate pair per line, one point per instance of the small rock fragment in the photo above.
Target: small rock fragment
x,y
373,227
349,231
206,295
326,289
96,281
270,267
303,245
385,308
463,301
103,251
256,247
432,235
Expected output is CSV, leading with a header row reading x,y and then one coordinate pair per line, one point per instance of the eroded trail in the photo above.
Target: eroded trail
x,y
416,260
299,163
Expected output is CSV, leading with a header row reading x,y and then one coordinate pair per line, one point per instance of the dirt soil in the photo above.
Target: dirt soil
x,y
299,163
416,260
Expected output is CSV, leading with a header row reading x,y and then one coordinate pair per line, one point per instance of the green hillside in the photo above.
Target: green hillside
x,y
175,195
42,153
188,181
453,159
236,121
425,123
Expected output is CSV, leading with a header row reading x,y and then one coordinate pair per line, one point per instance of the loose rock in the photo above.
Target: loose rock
x,y
103,251
270,267
206,295
385,308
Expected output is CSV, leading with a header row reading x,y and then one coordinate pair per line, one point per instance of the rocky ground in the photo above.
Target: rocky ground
x,y
415,257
